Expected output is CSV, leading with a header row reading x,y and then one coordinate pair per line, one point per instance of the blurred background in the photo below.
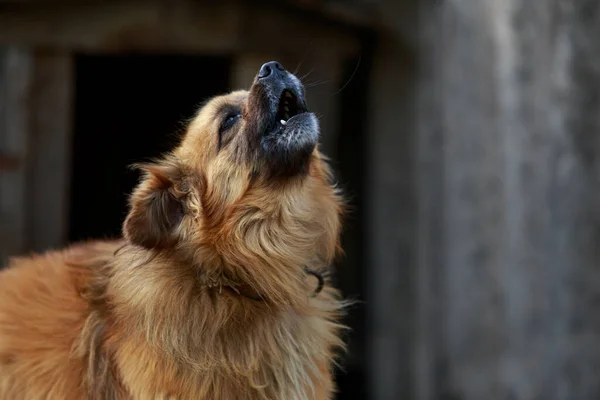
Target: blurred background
x,y
465,133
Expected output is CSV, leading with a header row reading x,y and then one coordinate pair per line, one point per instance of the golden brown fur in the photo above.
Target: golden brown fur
x,y
163,313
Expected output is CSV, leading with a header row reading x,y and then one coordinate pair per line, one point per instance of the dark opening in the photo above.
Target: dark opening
x,y
350,165
129,108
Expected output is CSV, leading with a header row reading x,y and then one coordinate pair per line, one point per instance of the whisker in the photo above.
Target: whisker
x,y
302,58
306,75
351,77
297,68
317,83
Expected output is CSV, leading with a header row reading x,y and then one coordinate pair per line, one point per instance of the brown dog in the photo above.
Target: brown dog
x,y
210,295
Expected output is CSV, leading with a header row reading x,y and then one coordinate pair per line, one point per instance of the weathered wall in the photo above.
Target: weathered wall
x,y
14,83
391,208
35,131
509,150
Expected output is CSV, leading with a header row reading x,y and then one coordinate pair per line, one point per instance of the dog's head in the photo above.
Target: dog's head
x,y
246,188
268,130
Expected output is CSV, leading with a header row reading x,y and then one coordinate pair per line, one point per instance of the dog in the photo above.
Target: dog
x,y
218,288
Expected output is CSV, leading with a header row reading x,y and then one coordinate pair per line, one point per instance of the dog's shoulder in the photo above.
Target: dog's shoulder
x,y
43,312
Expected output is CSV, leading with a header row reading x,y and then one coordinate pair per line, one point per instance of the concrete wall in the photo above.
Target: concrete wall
x,y
391,222
509,227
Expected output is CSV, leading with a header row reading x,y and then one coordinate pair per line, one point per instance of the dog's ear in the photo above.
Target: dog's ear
x,y
156,206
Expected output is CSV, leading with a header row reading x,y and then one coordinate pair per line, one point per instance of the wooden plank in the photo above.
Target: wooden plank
x,y
35,127
50,149
270,29
158,26
121,26
15,85
8,163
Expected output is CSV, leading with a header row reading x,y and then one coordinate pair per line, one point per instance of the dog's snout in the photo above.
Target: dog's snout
x,y
270,70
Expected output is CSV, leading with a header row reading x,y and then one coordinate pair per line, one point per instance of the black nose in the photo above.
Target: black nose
x,y
272,68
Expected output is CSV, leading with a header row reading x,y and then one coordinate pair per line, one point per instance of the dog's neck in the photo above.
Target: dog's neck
x,y
221,285
247,291
153,299
143,288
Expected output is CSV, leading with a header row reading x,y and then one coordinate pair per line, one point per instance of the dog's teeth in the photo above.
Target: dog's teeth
x,y
286,115
288,95
286,108
283,122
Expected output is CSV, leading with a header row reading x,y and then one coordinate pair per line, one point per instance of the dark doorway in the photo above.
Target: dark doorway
x,y
129,108
350,166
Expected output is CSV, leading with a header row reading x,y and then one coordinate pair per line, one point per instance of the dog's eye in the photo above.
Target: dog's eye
x,y
228,122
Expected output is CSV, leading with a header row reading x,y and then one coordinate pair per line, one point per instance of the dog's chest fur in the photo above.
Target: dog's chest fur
x,y
288,361
172,341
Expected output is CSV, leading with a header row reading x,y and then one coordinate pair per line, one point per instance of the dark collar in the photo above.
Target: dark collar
x,y
245,290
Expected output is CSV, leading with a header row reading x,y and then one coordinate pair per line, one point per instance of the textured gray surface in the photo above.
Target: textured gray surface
x,y
390,228
517,94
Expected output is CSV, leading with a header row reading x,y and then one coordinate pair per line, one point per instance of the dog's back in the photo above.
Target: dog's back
x,y
42,317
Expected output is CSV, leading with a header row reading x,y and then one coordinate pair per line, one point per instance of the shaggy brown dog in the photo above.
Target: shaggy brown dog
x,y
208,295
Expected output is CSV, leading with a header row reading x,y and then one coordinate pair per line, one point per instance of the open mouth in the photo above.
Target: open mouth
x,y
289,107
287,131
